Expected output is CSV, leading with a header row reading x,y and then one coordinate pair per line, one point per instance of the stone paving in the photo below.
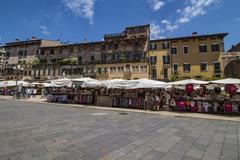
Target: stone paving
x,y
47,131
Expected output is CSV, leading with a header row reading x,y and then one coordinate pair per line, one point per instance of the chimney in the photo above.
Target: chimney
x,y
17,40
34,38
194,34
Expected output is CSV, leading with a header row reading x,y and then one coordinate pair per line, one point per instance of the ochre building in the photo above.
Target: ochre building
x,y
196,56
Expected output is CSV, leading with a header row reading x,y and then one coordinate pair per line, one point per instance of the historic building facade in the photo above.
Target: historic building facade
x,y
196,56
2,61
128,55
231,62
120,55
23,53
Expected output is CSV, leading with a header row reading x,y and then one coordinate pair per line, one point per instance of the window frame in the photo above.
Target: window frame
x,y
204,51
184,67
215,62
206,67
215,44
177,68
184,50
176,50
165,44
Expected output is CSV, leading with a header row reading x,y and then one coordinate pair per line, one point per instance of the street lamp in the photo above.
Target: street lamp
x,y
18,70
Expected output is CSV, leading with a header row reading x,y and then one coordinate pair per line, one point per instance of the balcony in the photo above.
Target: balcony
x,y
102,76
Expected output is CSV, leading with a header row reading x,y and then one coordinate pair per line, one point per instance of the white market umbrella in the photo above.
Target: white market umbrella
x,y
146,83
227,81
61,82
116,83
188,81
13,83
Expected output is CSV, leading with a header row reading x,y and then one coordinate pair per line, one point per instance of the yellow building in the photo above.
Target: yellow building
x,y
196,56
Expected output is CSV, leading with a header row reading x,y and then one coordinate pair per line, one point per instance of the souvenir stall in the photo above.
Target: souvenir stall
x,y
59,91
139,94
110,89
9,87
201,96
230,101
77,91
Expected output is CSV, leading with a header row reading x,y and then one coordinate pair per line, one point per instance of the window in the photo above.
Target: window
x,y
72,49
143,69
92,58
174,50
215,47
204,67
153,60
116,46
165,71
166,59
154,73
113,69
120,69
133,69
136,44
99,70
175,68
153,46
185,49
52,51
186,67
203,48
20,54
217,66
165,45
42,52
79,60
25,54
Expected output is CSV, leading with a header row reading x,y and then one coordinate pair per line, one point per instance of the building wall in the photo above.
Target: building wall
x,y
2,61
122,70
231,64
121,49
194,57
23,53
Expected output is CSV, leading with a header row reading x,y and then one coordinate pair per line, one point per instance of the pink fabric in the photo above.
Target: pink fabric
x,y
228,107
181,105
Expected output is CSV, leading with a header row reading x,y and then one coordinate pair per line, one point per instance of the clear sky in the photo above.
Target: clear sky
x,y
75,20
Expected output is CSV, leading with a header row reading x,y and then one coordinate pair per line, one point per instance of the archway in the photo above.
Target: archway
x,y
232,69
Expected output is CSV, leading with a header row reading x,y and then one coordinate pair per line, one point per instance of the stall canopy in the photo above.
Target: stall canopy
x,y
116,83
227,81
61,83
13,83
89,82
188,81
146,83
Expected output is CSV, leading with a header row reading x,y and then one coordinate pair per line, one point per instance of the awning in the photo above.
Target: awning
x,y
188,81
227,81
61,82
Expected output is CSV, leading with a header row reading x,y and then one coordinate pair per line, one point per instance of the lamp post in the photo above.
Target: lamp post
x,y
18,70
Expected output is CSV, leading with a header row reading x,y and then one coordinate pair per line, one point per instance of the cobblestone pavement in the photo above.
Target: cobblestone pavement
x,y
46,131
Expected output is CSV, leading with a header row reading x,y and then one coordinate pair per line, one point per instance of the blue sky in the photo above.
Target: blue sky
x,y
75,20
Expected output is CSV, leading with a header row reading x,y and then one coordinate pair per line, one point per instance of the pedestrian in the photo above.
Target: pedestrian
x,y
34,92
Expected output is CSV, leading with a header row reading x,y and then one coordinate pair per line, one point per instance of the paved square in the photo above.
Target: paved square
x,y
47,131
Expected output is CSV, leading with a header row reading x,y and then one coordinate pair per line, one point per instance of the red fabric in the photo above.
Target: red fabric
x,y
231,89
181,105
189,88
228,107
